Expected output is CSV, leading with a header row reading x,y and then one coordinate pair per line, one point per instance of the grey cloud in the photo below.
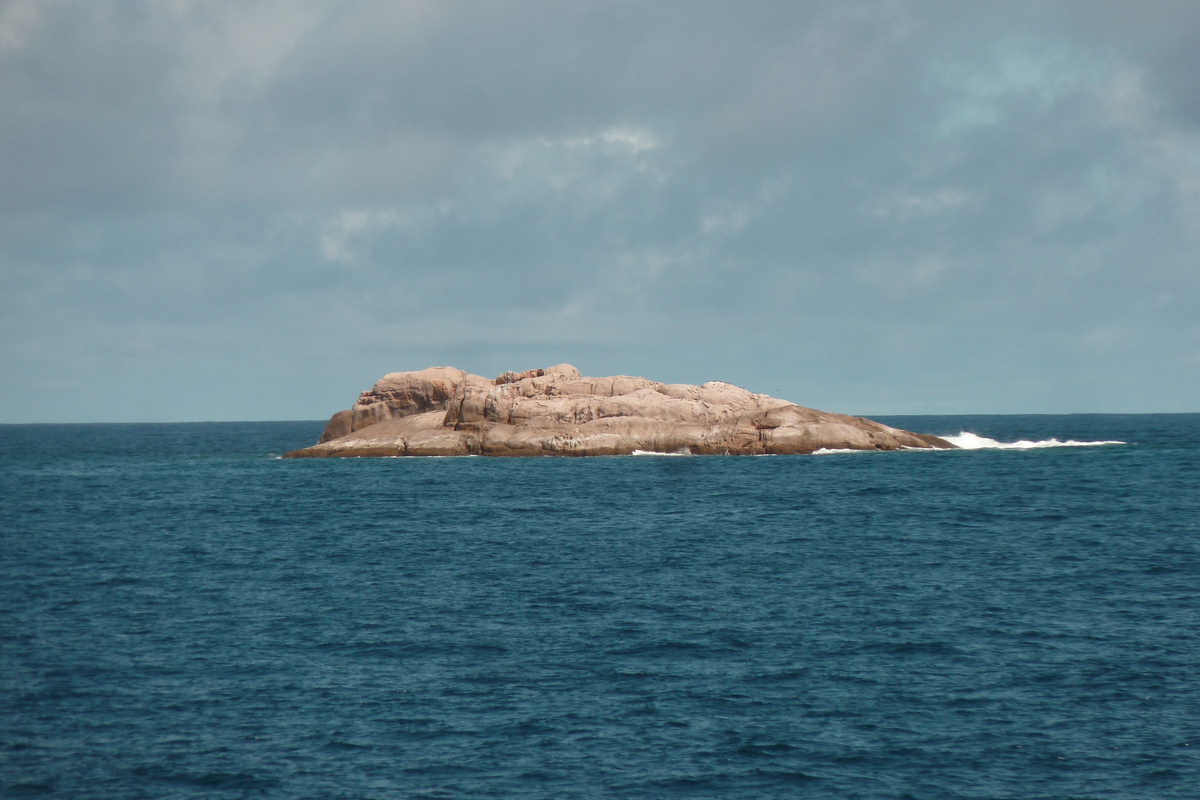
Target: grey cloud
x,y
892,206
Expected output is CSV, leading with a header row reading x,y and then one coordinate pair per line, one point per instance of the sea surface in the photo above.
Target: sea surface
x,y
185,615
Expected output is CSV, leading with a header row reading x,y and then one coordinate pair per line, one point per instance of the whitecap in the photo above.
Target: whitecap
x,y
970,441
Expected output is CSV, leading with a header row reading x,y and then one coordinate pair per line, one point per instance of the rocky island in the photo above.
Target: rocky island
x,y
443,411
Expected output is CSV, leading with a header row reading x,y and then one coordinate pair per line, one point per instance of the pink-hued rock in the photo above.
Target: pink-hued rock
x,y
442,411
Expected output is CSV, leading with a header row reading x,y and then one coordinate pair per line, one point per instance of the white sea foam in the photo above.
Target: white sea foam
x,y
828,451
970,441
682,452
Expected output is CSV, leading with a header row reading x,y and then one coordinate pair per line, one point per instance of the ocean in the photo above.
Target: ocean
x,y
185,615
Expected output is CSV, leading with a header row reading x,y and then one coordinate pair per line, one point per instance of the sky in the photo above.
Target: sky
x,y
253,210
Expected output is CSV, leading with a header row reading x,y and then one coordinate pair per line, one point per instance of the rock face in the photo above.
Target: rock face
x,y
442,411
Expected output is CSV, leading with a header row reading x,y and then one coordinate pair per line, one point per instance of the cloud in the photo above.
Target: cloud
x,y
853,205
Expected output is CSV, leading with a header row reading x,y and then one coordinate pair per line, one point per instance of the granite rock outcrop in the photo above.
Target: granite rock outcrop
x,y
443,411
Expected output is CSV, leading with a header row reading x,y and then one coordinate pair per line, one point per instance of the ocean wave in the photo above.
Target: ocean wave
x,y
970,441
681,452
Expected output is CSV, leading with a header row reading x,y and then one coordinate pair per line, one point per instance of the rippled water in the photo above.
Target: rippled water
x,y
183,615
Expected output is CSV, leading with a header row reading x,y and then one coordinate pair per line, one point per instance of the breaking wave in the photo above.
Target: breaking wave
x,y
970,441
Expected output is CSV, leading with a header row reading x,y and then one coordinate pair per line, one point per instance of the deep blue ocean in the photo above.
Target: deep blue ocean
x,y
185,615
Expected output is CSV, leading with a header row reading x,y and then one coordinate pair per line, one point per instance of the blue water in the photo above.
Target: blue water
x,y
183,615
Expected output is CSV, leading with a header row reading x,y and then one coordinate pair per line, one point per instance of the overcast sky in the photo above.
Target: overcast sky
x,y
253,210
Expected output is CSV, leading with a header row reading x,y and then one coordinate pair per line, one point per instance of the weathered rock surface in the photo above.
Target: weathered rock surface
x,y
442,411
